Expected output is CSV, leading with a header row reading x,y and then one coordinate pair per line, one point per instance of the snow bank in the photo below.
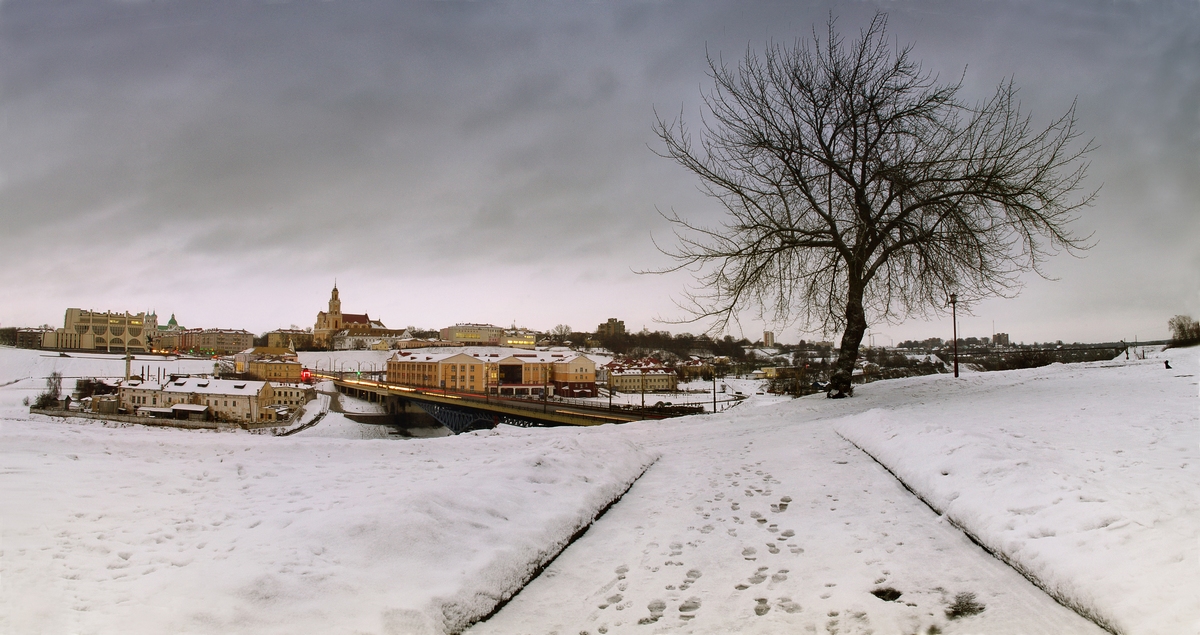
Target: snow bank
x,y
1083,477
137,530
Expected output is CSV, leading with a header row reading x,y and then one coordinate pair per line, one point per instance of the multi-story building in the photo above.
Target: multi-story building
x,y
473,334
574,375
214,341
268,364
516,374
294,339
519,338
769,339
109,331
694,369
642,375
35,338
222,399
452,371
275,370
612,327
643,380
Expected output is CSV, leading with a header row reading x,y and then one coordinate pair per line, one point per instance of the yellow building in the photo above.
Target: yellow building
x,y
643,380
331,322
516,374
290,338
473,334
452,371
109,331
221,399
275,370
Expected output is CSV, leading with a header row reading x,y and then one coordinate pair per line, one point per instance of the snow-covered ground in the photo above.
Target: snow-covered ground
x,y
1084,477
121,528
703,543
760,519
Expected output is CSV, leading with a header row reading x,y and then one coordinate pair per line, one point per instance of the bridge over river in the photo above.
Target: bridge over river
x,y
462,412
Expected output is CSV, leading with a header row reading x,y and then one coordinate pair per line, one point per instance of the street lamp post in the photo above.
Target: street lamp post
x,y
954,319
714,379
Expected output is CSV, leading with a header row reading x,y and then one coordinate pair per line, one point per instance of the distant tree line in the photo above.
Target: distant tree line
x,y
679,346
1184,330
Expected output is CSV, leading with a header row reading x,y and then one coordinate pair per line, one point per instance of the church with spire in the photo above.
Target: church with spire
x,y
332,322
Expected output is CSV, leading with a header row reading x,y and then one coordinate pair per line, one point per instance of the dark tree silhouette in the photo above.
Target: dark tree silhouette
x,y
860,189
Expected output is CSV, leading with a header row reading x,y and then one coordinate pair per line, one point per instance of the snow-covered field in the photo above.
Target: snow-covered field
x,y
128,529
760,519
1083,477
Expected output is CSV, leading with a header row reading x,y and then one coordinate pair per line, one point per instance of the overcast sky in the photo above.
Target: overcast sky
x,y
492,161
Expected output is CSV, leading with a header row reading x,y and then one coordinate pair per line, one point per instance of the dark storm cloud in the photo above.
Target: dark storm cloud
x,y
437,138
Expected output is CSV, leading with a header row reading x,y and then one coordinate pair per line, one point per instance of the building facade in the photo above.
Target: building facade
x,y
232,400
473,334
612,327
295,339
516,374
109,331
643,380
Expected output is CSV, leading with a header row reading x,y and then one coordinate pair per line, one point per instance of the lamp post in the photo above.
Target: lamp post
x,y
954,319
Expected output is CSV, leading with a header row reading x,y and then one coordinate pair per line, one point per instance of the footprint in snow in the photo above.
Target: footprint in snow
x,y
609,601
787,605
657,608
761,608
689,608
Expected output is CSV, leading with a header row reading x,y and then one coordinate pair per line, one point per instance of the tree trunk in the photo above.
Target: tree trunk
x,y
856,327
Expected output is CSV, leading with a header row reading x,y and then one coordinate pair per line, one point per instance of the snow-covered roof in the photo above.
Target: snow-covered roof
x,y
215,386
623,372
489,354
140,385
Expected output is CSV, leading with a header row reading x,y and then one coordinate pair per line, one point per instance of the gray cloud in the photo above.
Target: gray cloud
x,y
425,142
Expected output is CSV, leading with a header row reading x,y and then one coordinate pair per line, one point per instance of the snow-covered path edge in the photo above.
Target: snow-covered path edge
x,y
548,556
1071,602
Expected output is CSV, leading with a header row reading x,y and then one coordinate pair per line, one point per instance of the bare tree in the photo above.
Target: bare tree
x,y
561,333
860,189
1184,330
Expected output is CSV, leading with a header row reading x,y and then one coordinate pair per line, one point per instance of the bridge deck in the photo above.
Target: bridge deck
x,y
546,412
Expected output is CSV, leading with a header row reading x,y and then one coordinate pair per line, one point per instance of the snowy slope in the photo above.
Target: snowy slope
x,y
134,530
703,543
1082,476
760,519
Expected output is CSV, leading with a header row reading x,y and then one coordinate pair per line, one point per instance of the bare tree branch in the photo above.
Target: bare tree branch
x,y
858,189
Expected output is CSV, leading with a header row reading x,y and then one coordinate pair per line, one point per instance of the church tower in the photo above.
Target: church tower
x,y
335,310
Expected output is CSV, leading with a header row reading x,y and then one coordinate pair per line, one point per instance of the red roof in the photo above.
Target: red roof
x,y
355,318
